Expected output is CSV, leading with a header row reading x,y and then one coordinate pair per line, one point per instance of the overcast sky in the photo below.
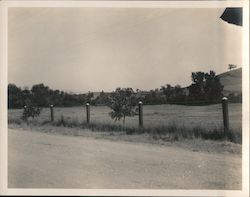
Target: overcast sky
x,y
94,49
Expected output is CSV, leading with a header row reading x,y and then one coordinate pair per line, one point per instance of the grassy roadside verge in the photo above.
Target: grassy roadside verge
x,y
170,133
194,145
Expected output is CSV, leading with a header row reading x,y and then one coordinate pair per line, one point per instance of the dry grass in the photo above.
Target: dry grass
x,y
171,132
164,122
209,117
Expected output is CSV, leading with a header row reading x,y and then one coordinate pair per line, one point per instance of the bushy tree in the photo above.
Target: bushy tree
x,y
196,90
41,94
205,87
30,110
231,66
123,103
14,96
212,87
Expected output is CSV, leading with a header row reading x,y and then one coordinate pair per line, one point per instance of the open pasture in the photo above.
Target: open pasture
x,y
153,115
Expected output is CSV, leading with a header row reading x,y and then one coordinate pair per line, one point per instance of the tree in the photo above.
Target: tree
x,y
123,103
168,91
41,95
179,95
205,87
102,99
15,96
153,98
90,95
196,90
27,97
231,66
212,87
173,94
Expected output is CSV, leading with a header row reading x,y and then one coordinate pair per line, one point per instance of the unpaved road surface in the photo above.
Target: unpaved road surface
x,y
40,160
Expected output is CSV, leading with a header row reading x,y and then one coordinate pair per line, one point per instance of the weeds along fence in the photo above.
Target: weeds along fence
x,y
225,114
173,131
169,131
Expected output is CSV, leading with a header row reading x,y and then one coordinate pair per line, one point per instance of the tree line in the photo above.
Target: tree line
x,y
205,89
43,96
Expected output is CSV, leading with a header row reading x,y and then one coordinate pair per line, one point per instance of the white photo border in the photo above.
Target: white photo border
x,y
5,5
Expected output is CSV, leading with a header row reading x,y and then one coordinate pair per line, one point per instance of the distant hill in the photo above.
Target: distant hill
x,y
232,81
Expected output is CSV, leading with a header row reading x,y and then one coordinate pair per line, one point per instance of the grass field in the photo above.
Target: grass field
x,y
208,117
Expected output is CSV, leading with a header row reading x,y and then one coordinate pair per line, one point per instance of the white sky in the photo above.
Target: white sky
x,y
94,49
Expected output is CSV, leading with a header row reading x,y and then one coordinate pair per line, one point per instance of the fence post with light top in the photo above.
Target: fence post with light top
x,y
140,114
52,113
225,114
87,113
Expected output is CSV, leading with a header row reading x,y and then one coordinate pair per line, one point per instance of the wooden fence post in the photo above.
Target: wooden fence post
x,y
52,113
87,113
225,114
140,114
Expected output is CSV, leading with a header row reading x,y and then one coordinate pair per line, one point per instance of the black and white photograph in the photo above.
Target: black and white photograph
x,y
105,97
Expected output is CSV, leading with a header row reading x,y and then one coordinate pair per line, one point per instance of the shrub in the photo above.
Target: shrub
x,y
31,111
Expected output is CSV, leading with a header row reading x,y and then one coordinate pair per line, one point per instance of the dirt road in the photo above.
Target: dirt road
x,y
40,160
